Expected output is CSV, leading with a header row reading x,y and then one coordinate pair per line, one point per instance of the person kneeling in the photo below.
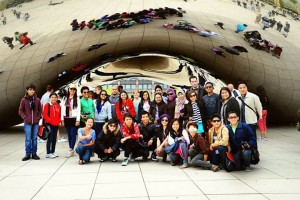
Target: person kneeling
x,y
108,141
242,140
198,150
131,140
86,137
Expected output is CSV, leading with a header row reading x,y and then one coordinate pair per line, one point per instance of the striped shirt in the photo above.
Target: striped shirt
x,y
196,113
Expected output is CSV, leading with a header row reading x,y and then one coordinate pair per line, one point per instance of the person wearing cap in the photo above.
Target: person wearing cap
x,y
108,141
70,116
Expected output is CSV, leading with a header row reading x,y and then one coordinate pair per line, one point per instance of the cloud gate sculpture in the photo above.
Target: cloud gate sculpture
x,y
49,27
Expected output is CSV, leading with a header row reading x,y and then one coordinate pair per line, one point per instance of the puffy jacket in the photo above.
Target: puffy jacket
x,y
127,106
28,115
108,139
133,131
55,112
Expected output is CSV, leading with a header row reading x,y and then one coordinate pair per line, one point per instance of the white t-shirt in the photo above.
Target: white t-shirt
x,y
45,98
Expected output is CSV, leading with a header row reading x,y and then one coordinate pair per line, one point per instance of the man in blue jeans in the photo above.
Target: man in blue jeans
x,y
242,140
30,110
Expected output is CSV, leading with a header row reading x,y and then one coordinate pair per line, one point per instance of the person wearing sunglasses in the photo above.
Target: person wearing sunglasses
x,y
102,111
218,138
242,140
162,133
211,101
87,106
108,141
195,111
171,103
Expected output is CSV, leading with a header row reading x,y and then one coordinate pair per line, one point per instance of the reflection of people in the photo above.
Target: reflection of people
x,y
8,41
240,27
25,40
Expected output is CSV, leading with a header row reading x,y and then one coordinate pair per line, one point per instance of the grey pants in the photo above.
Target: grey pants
x,y
197,159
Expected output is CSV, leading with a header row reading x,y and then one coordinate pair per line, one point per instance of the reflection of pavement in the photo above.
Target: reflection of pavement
x,y
275,177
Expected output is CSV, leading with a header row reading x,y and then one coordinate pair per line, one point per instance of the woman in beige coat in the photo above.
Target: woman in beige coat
x,y
218,138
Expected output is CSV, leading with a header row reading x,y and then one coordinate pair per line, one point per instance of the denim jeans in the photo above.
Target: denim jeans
x,y
173,156
31,131
253,127
216,159
72,131
84,153
197,159
51,141
242,159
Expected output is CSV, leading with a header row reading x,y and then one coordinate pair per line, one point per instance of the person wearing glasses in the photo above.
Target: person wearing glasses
x,y
162,133
87,106
241,140
211,101
108,141
102,111
218,138
171,103
70,117
195,112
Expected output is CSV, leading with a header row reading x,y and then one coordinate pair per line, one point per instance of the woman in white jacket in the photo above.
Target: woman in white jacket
x,y
70,116
102,111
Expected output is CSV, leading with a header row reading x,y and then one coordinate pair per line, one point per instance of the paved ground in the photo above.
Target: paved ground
x,y
275,177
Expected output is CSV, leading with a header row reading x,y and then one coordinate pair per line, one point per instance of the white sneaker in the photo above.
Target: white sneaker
x,y
41,141
125,161
259,138
50,155
61,140
70,154
265,139
55,154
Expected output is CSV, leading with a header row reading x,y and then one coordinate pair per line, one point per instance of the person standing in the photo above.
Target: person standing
x,y
251,108
229,103
144,103
4,20
70,116
136,101
211,101
30,110
102,111
196,87
124,105
46,97
87,106
158,89
171,103
113,99
8,41
52,116
157,108
262,123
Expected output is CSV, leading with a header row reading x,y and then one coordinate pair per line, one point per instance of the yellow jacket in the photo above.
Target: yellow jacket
x,y
222,137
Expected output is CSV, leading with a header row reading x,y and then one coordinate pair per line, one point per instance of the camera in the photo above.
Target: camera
x,y
245,145
86,113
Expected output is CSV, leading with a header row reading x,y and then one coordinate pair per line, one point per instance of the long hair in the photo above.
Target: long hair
x,y
120,99
99,98
75,103
172,132
142,97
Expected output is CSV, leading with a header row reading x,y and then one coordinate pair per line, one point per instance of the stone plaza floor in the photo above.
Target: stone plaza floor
x,y
276,177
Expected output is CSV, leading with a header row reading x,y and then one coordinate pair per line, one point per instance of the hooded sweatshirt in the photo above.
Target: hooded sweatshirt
x,y
55,111
30,114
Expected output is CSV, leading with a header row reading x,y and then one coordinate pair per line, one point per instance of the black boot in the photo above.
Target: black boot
x,y
27,157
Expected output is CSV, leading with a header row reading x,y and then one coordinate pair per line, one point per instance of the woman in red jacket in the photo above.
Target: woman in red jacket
x,y
51,115
124,105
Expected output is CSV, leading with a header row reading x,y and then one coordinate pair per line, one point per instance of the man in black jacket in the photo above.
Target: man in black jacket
x,y
148,133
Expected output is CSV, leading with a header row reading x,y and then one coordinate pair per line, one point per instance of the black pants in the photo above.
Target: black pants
x,y
152,147
51,141
114,154
132,146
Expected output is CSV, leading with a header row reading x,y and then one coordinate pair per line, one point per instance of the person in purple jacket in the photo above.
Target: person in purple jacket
x,y
30,110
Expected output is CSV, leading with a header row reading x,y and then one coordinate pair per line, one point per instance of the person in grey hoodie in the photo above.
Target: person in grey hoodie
x,y
102,111
30,110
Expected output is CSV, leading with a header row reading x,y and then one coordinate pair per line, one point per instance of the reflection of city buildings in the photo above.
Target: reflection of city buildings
x,y
131,84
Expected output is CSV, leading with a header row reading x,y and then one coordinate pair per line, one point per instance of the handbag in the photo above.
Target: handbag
x,y
254,156
45,129
229,162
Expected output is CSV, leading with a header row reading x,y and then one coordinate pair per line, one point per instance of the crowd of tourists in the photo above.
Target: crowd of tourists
x,y
209,128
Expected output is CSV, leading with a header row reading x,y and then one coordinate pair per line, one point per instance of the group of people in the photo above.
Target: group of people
x,y
21,37
196,123
126,20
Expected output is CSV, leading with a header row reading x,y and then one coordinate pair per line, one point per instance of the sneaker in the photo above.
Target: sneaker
x,y
214,168
50,155
70,154
113,160
26,157
41,141
184,165
247,169
173,163
35,157
153,158
265,139
55,154
125,161
259,138
103,159
61,140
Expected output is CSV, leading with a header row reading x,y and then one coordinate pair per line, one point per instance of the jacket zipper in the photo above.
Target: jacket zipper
x,y
31,116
